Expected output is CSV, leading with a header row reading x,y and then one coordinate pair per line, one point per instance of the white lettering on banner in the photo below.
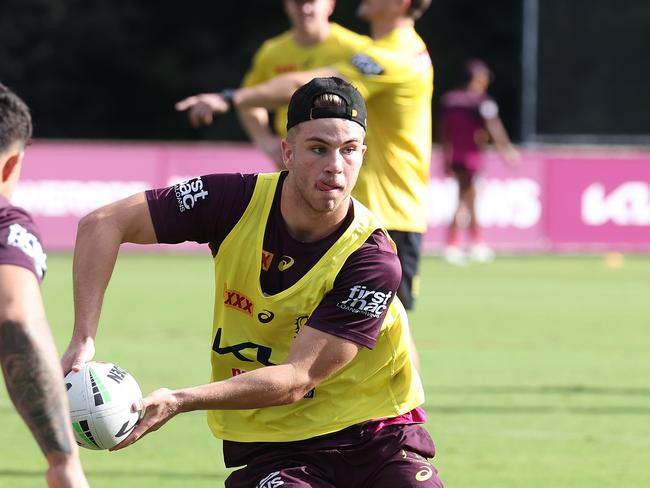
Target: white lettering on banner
x,y
63,198
500,202
626,205
508,203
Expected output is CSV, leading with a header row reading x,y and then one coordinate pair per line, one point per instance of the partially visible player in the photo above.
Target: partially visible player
x,y
30,364
312,380
395,75
312,41
469,118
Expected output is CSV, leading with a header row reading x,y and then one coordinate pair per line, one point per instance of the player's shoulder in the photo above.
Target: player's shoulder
x,y
345,36
276,44
20,241
397,55
461,98
11,214
377,252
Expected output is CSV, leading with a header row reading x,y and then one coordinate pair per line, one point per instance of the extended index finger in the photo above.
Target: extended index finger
x,y
186,103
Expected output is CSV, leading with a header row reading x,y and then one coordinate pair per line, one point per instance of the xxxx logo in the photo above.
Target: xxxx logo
x,y
285,263
237,300
267,257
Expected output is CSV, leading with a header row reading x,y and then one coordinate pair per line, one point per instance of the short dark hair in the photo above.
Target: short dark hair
x,y
417,8
15,119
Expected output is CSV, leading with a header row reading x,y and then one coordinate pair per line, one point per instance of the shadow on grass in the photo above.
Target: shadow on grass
x,y
536,409
539,390
34,473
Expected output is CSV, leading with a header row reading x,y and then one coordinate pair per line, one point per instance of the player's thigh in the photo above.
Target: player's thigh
x,y
407,470
289,477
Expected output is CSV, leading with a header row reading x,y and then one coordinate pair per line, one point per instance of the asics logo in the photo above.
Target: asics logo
x,y
424,474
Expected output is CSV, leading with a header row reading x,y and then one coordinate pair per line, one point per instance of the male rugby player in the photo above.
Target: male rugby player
x,y
311,42
312,380
27,353
395,75
469,118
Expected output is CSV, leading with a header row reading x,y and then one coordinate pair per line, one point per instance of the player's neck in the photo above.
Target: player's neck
x,y
305,38
305,224
381,28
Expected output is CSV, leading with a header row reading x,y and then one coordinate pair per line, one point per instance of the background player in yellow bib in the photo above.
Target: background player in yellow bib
x,y
312,383
313,41
395,75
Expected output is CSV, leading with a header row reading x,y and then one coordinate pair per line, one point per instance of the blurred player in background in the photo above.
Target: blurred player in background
x,y
469,119
311,42
30,365
395,75
305,321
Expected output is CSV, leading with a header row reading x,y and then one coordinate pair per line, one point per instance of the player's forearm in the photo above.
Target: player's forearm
x,y
255,122
277,91
264,387
99,237
270,94
95,253
34,380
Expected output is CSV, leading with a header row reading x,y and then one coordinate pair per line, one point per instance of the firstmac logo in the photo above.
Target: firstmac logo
x,y
367,302
188,193
238,301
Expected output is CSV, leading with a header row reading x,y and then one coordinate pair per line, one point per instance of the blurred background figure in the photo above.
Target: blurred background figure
x,y
311,42
469,119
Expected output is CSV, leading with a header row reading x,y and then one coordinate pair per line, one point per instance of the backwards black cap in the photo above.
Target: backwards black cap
x,y
301,106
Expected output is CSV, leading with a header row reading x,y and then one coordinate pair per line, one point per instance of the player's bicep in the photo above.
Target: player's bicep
x,y
129,218
317,355
20,295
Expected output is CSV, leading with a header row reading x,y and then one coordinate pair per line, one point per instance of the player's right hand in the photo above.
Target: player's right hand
x,y
201,108
77,354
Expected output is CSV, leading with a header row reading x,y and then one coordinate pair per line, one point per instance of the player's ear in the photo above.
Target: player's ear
x,y
11,167
287,153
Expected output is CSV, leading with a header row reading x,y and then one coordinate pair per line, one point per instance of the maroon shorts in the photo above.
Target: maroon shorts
x,y
379,460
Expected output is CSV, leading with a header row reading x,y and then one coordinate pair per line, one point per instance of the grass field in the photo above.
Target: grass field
x,y
537,371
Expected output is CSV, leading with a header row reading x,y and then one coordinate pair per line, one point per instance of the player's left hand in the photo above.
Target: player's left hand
x,y
159,407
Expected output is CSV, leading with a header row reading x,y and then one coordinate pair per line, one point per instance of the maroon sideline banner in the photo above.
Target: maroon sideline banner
x,y
558,199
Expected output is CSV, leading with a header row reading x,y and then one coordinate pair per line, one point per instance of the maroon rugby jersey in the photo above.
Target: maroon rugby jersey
x,y
20,242
205,210
463,124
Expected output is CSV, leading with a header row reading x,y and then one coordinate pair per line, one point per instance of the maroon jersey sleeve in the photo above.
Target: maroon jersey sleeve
x,y
20,242
203,209
363,290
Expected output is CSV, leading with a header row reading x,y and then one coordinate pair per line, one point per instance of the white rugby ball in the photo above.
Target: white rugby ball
x,y
100,397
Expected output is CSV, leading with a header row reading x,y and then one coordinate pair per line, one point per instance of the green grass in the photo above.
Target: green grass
x,y
536,371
